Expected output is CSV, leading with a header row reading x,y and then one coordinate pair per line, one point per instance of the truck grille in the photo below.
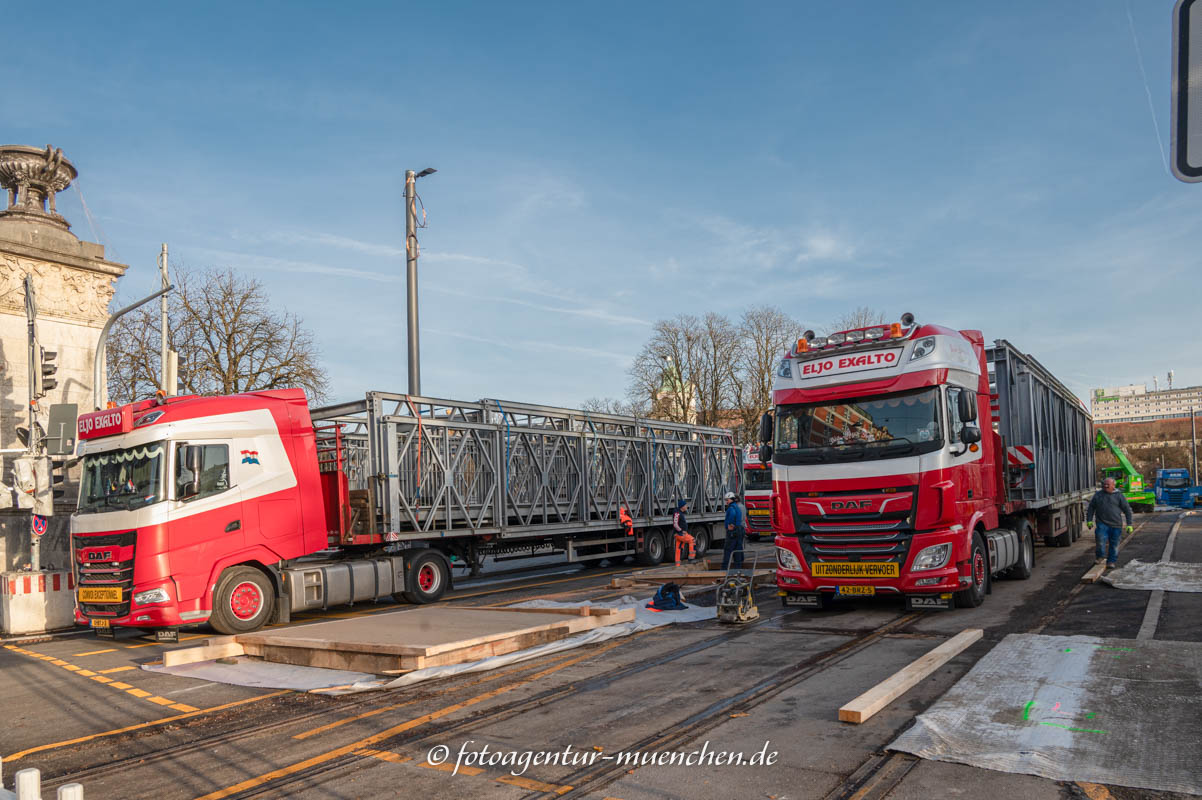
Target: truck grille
x,y
865,525
119,572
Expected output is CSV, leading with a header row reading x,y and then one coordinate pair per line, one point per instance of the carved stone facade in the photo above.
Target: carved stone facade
x,y
73,284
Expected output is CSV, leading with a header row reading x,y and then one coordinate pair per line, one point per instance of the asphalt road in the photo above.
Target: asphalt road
x,y
79,708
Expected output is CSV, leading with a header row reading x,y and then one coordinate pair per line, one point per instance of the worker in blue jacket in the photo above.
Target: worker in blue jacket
x,y
736,531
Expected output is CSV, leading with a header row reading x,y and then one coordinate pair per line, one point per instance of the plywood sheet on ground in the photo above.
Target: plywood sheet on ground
x,y
420,638
1074,708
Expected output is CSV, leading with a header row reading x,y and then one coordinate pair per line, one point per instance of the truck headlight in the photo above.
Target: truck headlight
x,y
923,348
787,559
932,557
151,596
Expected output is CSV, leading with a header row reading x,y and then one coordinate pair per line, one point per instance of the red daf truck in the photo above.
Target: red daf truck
x,y
915,460
241,510
757,494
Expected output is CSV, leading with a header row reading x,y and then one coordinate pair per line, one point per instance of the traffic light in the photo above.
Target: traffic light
x,y
43,371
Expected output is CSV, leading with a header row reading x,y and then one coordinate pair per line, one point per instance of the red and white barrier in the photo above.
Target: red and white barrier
x,y
35,602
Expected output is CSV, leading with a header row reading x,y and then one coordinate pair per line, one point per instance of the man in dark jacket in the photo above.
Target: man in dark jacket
x,y
736,530
1109,506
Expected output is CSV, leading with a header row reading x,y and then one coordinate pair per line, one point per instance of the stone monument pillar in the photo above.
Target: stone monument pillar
x,y
73,284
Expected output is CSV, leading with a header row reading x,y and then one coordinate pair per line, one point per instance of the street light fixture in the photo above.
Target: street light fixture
x,y
411,253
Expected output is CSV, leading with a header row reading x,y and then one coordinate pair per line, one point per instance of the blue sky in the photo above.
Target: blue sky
x,y
603,165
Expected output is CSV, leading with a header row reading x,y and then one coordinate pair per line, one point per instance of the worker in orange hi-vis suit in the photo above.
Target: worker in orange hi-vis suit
x,y
627,522
680,527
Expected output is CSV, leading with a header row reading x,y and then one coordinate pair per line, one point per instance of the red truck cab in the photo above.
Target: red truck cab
x,y
185,504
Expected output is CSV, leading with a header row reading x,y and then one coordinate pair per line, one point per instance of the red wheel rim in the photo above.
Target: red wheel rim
x,y
427,578
246,600
978,569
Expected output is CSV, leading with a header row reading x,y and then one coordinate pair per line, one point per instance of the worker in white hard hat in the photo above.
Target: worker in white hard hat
x,y
736,532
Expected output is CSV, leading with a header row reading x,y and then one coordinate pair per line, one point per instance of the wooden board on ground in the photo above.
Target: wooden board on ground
x,y
423,637
217,647
900,682
1094,573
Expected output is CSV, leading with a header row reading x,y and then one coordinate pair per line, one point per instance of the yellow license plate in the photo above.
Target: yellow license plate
x,y
861,569
100,623
759,512
859,590
100,594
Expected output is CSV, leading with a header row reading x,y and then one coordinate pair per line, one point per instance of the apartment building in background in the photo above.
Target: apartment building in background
x,y
1134,403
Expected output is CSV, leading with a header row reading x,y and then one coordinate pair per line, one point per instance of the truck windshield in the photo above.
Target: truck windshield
x,y
1175,483
757,479
885,426
122,479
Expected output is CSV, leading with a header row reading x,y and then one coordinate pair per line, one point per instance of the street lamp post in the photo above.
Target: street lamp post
x,y
411,253
100,392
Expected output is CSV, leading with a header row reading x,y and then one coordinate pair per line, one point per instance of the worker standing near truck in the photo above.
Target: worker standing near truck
x,y
1109,506
680,530
736,530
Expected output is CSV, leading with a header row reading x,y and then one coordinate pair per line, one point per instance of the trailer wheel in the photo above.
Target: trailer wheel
x,y
1026,554
244,601
978,570
427,577
701,540
654,548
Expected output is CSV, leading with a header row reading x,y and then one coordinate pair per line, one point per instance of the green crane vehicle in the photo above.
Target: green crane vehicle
x,y
1125,475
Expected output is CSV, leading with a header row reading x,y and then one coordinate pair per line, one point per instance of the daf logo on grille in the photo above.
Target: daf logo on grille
x,y
100,555
844,505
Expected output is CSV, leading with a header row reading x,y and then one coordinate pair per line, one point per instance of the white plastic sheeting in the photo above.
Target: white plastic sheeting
x,y
1168,576
1074,708
250,672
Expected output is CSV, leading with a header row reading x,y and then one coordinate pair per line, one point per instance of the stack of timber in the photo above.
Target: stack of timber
x,y
401,642
704,572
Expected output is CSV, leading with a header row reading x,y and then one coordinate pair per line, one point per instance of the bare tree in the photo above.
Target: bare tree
x,y
610,405
686,369
229,338
861,317
765,333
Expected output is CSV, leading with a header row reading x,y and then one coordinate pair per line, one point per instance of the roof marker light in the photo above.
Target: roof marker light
x,y
803,346
855,336
895,330
874,333
836,338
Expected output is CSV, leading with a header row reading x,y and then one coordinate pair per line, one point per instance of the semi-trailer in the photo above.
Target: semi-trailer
x,y
915,460
757,494
239,510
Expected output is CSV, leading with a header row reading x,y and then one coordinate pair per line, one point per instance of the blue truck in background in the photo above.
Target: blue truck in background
x,y
1174,488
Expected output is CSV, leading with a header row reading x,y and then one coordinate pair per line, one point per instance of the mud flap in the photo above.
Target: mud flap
x,y
930,602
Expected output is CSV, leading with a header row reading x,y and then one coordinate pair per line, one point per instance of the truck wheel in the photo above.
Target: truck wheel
x,y
427,578
244,601
701,540
978,570
1026,554
653,548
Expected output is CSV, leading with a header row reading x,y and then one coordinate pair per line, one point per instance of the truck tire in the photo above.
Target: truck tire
x,y
1026,554
701,540
244,601
654,548
427,578
978,570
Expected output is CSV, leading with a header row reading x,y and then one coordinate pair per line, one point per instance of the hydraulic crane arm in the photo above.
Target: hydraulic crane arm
x,y
1103,442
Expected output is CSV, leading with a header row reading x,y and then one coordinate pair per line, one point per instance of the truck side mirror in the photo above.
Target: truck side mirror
x,y
966,404
765,454
766,427
187,472
970,435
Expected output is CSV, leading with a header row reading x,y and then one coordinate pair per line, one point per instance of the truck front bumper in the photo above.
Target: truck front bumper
x,y
927,581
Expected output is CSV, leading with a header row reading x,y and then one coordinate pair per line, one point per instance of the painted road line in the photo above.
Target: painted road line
x,y
388,733
94,652
384,755
114,669
92,736
1147,628
464,769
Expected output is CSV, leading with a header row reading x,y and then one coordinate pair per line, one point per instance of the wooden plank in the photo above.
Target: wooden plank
x,y
900,682
207,652
1094,573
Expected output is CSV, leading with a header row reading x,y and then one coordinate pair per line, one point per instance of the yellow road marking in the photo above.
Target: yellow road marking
x,y
162,701
1096,791
530,783
119,685
115,669
401,728
137,692
384,755
182,707
58,662
101,679
463,770
140,725
94,652
71,667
